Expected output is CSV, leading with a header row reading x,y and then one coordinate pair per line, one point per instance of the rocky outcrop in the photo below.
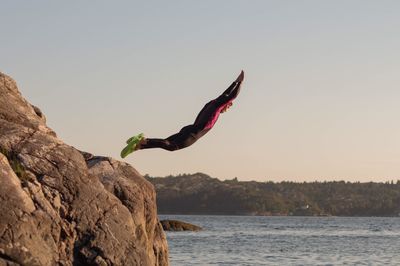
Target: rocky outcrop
x,y
174,225
61,206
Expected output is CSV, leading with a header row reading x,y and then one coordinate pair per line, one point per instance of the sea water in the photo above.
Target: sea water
x,y
261,240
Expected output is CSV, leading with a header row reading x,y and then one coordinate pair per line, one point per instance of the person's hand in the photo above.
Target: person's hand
x,y
241,77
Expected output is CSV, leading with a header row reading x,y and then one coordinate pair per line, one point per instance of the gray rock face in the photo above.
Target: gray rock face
x,y
60,206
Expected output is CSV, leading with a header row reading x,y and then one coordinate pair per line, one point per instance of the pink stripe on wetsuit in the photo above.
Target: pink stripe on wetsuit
x,y
215,115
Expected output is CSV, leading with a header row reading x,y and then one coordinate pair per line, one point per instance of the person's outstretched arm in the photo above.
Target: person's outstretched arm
x,y
232,91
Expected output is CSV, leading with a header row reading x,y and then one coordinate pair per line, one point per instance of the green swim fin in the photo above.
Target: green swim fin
x,y
132,144
130,139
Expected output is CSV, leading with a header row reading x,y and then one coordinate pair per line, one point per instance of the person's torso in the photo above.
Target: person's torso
x,y
208,116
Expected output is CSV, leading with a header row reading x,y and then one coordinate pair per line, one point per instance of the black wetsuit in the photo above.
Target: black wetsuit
x,y
205,120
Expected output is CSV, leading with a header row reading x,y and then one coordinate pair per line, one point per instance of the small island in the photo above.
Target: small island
x,y
174,225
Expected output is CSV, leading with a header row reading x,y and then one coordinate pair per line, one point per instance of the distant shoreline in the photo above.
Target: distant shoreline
x,y
200,194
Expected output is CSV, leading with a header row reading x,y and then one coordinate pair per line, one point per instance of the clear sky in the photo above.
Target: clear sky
x,y
320,100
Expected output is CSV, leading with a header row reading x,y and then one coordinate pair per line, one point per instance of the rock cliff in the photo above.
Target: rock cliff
x,y
62,206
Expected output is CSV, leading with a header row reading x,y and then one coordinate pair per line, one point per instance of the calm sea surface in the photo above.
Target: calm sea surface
x,y
255,240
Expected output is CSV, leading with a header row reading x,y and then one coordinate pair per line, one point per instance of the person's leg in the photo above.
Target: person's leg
x,y
184,138
150,143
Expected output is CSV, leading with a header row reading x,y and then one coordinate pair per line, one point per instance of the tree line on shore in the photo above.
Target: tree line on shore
x,y
200,194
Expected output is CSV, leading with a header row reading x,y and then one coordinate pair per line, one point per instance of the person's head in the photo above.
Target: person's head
x,y
226,107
